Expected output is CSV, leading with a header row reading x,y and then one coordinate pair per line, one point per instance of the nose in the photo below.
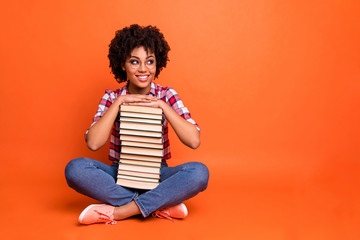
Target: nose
x,y
142,67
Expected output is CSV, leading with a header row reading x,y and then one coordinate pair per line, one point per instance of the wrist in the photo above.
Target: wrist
x,y
119,101
161,104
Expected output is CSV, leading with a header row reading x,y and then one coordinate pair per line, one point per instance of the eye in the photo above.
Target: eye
x,y
134,62
150,62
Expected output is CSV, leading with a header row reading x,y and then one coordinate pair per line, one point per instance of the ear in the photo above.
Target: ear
x,y
123,66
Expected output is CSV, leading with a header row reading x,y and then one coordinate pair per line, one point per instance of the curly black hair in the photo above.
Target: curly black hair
x,y
127,39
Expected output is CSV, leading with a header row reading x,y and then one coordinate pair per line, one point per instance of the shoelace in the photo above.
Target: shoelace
x,y
106,217
163,214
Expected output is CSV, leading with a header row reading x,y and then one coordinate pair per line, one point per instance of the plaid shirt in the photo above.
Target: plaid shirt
x,y
166,94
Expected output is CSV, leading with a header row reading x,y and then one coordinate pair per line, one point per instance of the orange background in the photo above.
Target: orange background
x,y
274,86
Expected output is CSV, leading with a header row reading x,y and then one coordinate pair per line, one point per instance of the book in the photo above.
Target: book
x,y
140,157
140,120
129,167
139,174
141,109
136,184
141,163
141,115
143,139
143,145
140,133
138,178
141,126
142,151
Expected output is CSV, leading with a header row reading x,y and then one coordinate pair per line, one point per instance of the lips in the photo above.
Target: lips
x,y
142,78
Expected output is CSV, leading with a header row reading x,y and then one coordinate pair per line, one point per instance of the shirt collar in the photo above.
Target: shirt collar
x,y
152,90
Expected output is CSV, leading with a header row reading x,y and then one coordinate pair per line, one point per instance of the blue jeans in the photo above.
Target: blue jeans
x,y
98,181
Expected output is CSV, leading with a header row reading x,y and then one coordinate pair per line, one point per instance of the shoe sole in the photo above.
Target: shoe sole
x,y
184,208
82,214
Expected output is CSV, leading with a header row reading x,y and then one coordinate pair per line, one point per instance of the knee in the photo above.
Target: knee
x,y
73,169
200,175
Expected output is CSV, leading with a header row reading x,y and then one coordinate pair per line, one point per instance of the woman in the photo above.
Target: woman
x,y
137,55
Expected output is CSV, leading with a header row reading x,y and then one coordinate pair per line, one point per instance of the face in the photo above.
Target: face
x,y
140,70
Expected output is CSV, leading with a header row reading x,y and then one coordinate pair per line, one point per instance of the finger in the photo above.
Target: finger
x,y
143,96
138,100
135,104
145,104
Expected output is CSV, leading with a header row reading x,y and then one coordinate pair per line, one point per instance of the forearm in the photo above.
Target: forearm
x,y
99,133
186,131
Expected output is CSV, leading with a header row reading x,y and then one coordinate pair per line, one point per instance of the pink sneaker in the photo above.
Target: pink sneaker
x,y
97,213
177,211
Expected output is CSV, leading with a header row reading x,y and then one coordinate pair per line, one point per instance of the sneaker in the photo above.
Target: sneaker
x,y
97,213
177,211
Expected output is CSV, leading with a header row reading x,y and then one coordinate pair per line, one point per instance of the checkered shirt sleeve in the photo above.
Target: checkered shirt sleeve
x,y
174,101
105,102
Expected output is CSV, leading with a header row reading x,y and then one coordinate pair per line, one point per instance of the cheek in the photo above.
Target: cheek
x,y
130,71
153,71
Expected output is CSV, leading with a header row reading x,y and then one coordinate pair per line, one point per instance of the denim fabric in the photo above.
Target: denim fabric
x,y
98,181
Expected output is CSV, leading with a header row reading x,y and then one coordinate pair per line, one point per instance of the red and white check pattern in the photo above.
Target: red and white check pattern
x,y
166,94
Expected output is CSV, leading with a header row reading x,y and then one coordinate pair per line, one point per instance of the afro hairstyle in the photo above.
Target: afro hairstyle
x,y
127,39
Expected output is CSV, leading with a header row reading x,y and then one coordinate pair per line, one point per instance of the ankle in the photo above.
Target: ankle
x,y
126,211
119,214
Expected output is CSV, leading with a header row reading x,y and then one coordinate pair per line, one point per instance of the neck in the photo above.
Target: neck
x,y
136,90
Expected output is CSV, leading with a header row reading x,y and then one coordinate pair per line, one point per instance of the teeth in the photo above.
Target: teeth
x,y
142,77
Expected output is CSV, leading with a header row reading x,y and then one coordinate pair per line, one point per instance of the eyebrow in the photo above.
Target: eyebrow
x,y
139,58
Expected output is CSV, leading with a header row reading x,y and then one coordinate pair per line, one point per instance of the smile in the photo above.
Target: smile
x,y
142,77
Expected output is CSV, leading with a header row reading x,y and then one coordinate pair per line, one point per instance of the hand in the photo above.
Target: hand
x,y
135,98
156,103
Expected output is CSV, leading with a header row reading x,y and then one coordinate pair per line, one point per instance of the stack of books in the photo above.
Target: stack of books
x,y
141,147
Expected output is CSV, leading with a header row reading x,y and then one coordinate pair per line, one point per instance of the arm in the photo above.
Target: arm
x,y
186,131
99,132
